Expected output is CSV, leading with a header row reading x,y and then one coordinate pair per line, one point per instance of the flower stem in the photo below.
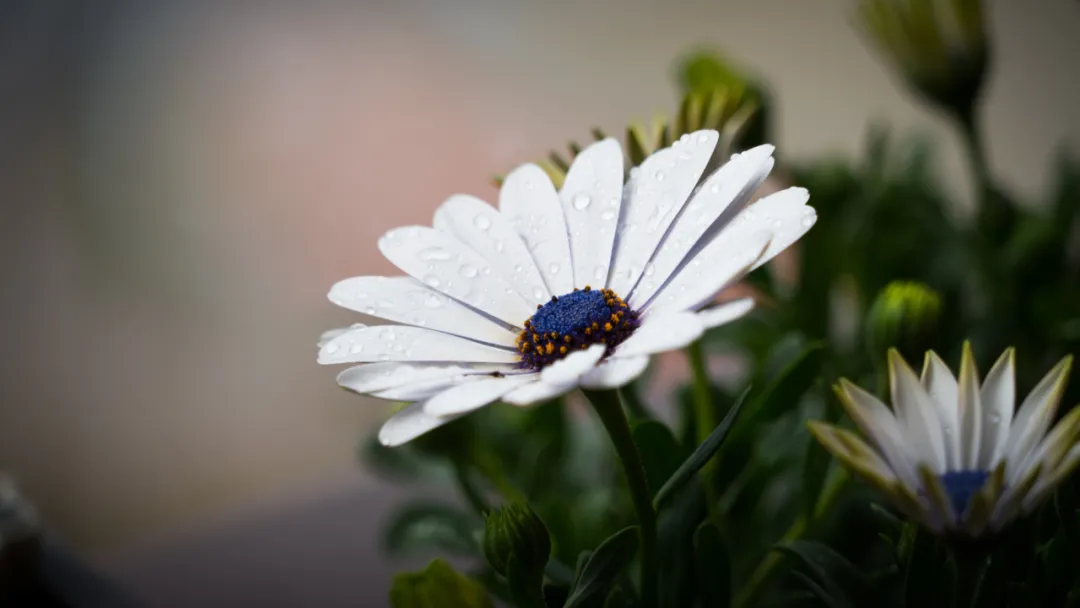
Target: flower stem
x,y
968,569
469,489
704,417
610,410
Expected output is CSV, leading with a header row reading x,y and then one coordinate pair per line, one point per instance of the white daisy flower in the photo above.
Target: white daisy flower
x,y
952,455
554,290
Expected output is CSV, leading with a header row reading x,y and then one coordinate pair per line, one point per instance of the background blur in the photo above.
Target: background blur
x,y
180,184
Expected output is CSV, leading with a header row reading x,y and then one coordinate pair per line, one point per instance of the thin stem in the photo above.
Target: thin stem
x,y
704,417
469,489
768,564
968,569
609,409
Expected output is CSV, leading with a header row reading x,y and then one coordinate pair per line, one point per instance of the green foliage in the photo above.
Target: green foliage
x,y
437,585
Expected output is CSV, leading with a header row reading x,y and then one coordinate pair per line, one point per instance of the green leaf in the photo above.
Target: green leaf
x,y
661,454
618,599
713,567
421,527
437,585
837,581
702,454
785,392
604,565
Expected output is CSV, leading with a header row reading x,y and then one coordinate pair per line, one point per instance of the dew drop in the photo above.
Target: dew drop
x,y
608,214
482,222
387,334
581,201
538,294
659,175
703,138
554,269
519,268
332,348
434,254
600,273
715,189
432,301
650,269
384,357
468,271
432,280
499,246
356,348
995,419
386,304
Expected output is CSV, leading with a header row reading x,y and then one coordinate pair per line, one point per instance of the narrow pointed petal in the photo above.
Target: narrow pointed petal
x,y
406,300
970,410
1008,506
661,333
1047,483
408,424
940,384
446,264
981,509
941,507
998,397
714,268
655,195
470,396
615,372
917,415
591,198
1035,415
403,343
536,392
725,313
489,233
529,201
573,366
375,377
878,423
1052,449
723,195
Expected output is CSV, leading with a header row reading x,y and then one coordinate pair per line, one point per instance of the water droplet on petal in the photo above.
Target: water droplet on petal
x,y
703,138
332,348
608,214
715,189
538,294
432,280
659,175
581,201
482,222
384,357
468,271
356,348
432,300
600,273
650,269
369,310
498,246
387,334
554,269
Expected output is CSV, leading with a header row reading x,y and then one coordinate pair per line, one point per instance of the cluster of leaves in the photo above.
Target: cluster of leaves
x,y
771,519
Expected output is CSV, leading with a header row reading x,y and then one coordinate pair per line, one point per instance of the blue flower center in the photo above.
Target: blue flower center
x,y
575,321
961,487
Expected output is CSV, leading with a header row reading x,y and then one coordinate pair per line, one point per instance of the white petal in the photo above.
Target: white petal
x,y
719,199
402,343
969,403
655,195
717,266
786,214
916,414
375,377
881,427
1034,417
446,264
406,300
474,395
725,313
535,392
408,424
330,334
490,234
529,201
940,384
998,396
573,366
591,196
658,333
615,372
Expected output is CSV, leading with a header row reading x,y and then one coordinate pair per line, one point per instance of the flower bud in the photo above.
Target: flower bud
x,y
437,585
940,46
905,315
516,531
